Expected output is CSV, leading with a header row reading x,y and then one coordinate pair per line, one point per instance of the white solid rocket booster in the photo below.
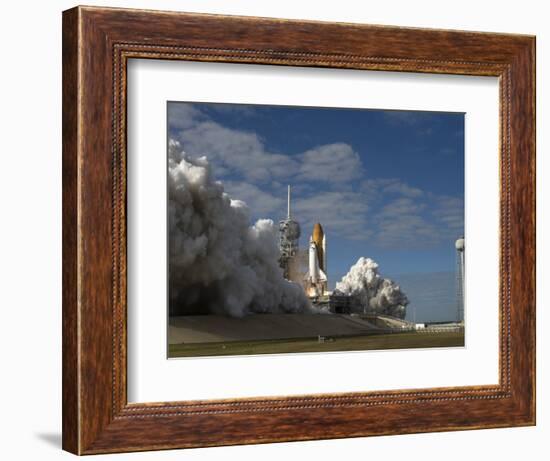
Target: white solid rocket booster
x,y
316,278
314,269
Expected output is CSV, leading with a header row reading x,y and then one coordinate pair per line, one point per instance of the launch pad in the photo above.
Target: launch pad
x,y
253,327
213,335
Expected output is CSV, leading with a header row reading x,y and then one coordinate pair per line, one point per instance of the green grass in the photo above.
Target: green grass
x,y
344,343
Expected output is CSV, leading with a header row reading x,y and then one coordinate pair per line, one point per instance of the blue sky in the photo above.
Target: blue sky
x,y
384,184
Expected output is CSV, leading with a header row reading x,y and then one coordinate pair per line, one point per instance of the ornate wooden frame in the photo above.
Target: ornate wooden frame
x,y
97,43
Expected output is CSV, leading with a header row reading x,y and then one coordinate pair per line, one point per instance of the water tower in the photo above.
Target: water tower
x,y
460,254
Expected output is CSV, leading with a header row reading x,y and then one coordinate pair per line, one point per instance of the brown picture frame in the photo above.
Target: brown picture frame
x,y
97,43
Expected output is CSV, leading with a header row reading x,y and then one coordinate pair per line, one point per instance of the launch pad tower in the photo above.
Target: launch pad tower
x,y
289,235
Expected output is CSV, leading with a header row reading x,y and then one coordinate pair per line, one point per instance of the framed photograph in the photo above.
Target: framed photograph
x,y
282,230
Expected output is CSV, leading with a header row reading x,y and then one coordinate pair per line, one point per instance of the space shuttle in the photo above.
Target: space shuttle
x,y
316,281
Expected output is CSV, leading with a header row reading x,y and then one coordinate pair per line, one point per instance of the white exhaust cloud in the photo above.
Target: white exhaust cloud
x,y
218,263
370,292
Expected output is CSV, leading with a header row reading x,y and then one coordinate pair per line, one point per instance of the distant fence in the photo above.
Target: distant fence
x,y
442,329
428,329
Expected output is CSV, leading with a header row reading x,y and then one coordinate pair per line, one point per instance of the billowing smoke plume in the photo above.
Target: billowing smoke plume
x,y
218,263
370,292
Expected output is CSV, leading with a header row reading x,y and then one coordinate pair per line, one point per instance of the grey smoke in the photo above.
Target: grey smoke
x,y
371,292
218,262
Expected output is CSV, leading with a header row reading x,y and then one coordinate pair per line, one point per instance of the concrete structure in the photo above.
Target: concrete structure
x,y
258,327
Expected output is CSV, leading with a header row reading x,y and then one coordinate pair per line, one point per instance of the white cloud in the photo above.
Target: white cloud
x,y
238,151
261,202
341,213
391,186
419,223
401,206
450,212
244,153
182,115
401,188
332,163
